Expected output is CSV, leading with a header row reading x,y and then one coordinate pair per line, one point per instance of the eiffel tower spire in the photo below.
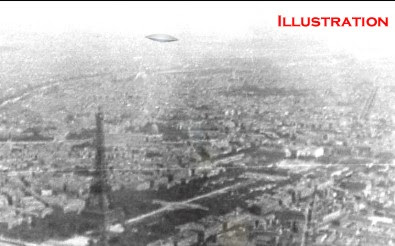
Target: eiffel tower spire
x,y
98,209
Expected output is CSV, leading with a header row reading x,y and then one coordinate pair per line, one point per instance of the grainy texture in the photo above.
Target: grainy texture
x,y
192,138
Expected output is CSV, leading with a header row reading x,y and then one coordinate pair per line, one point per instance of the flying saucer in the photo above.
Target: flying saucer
x,y
164,38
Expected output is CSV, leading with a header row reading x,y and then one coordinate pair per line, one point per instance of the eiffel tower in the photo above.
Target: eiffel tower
x,y
98,209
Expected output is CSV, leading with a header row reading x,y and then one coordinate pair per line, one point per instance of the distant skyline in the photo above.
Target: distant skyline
x,y
219,20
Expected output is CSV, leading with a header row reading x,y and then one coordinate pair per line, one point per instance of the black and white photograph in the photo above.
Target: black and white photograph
x,y
197,123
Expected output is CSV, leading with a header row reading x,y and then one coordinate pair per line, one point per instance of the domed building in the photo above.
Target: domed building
x,y
151,128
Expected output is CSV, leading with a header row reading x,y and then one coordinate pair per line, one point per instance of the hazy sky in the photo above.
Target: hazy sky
x,y
225,20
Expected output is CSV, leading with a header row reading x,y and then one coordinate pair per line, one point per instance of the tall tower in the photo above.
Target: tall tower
x,y
309,230
98,209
